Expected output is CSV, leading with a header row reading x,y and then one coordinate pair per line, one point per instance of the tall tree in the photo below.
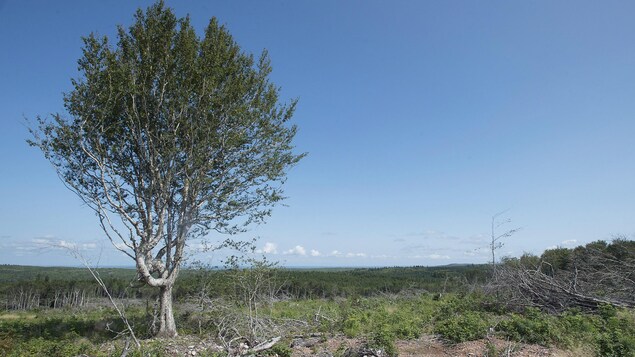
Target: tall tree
x,y
169,136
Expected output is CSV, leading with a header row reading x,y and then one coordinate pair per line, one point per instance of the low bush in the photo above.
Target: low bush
x,y
532,326
51,348
467,326
384,340
617,333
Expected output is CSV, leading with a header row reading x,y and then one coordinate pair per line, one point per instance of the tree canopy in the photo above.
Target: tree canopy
x,y
168,137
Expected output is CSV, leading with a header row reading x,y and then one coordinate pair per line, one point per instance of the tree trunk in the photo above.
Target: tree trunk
x,y
167,326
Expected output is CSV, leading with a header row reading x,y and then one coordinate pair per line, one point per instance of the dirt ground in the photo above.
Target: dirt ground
x,y
427,345
433,347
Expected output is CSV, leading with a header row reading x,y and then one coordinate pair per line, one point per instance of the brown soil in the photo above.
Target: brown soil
x,y
431,346
427,345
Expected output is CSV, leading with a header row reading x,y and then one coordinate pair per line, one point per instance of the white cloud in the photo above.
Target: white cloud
x,y
270,248
297,250
563,244
315,253
383,256
337,253
355,255
67,245
437,256
47,242
42,241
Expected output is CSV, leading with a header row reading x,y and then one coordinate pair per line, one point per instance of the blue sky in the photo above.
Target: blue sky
x,y
422,119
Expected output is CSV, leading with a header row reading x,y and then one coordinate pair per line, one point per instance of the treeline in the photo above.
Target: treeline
x,y
21,273
585,277
48,293
373,281
39,287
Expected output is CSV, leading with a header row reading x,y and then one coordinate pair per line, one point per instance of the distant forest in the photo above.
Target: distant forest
x,y
26,287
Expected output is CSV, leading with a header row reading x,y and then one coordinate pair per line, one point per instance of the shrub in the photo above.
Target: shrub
x,y
617,334
384,340
463,327
531,327
52,348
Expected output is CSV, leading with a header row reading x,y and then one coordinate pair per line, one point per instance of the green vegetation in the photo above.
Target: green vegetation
x,y
378,306
33,287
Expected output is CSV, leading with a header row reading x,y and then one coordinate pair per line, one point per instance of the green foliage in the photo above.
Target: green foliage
x,y
370,281
153,348
280,350
42,347
403,318
384,339
298,283
466,326
609,333
557,259
574,327
379,320
196,116
490,349
616,333
463,318
531,327
60,332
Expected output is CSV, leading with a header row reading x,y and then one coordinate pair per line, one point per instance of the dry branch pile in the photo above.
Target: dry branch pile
x,y
584,277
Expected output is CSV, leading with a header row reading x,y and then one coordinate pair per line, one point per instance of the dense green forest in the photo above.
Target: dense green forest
x,y
27,287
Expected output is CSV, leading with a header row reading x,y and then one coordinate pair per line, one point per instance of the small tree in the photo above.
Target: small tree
x,y
168,137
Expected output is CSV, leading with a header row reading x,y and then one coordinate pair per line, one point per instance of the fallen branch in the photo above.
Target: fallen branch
x,y
262,346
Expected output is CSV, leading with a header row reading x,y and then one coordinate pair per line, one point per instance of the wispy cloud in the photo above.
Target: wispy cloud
x,y
315,253
431,234
355,255
432,239
49,242
434,256
415,248
383,256
338,254
474,240
437,256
